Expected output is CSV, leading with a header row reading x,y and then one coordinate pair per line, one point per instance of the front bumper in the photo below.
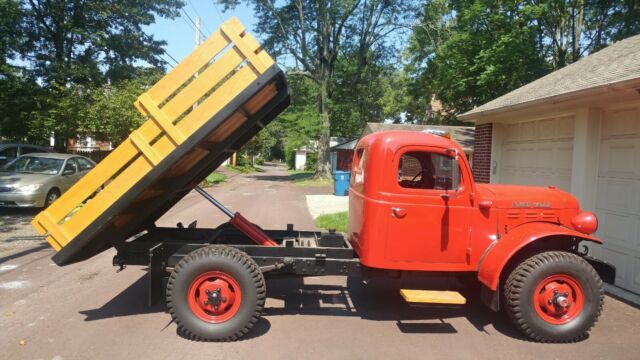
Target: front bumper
x,y
21,200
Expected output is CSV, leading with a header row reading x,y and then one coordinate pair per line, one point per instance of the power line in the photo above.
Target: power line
x,y
193,23
198,14
217,11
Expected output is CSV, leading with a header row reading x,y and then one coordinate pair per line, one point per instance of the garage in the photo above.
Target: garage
x,y
538,152
577,128
618,194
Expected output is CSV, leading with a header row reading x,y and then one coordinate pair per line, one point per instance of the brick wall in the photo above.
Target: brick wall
x,y
482,153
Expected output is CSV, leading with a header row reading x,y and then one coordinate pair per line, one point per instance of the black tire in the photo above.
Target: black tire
x,y
520,289
52,196
236,264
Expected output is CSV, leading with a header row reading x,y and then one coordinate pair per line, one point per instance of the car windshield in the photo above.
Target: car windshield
x,y
34,165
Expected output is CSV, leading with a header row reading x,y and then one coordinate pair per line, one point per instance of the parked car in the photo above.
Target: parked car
x,y
38,179
10,152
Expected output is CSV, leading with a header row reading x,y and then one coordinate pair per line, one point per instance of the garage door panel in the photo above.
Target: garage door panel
x,y
618,195
621,195
538,153
546,130
564,127
620,158
621,123
619,229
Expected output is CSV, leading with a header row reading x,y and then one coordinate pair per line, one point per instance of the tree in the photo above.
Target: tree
x,y
87,42
111,115
58,55
313,33
469,52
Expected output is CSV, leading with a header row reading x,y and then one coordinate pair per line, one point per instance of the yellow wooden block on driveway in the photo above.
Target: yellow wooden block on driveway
x,y
433,297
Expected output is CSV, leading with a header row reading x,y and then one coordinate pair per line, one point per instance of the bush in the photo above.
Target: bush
x,y
312,160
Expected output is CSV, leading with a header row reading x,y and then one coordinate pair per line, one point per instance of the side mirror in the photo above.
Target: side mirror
x,y
68,172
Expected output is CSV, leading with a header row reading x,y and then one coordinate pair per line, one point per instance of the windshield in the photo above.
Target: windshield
x,y
35,165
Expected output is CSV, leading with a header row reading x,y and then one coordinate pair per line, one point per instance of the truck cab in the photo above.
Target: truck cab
x,y
413,205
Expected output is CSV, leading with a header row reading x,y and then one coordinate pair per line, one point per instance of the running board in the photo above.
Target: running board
x,y
433,297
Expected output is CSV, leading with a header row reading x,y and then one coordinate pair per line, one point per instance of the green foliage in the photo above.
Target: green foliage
x,y
72,68
322,38
111,114
468,52
86,42
215,178
338,221
244,168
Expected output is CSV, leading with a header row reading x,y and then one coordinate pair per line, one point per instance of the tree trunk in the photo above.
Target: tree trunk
x,y
323,167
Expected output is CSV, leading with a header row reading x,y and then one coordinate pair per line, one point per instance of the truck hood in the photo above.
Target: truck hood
x,y
523,197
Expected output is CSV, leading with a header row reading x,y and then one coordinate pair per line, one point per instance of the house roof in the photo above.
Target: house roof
x,y
463,135
616,63
347,145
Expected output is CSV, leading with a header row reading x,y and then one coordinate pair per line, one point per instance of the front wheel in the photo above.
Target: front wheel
x,y
554,296
216,293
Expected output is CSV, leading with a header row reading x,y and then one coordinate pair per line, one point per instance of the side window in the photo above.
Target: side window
x,y
84,164
71,165
10,152
29,150
427,170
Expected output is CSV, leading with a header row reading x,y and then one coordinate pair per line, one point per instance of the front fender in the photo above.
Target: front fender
x,y
497,255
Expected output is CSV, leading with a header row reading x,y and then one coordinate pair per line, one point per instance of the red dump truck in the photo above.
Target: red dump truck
x,y
414,209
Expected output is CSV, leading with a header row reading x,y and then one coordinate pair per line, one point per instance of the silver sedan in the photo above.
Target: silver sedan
x,y
37,180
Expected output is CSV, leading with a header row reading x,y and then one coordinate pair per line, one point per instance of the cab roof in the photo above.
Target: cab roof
x,y
395,139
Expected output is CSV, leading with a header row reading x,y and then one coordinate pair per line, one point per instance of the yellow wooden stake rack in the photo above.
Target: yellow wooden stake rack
x,y
236,83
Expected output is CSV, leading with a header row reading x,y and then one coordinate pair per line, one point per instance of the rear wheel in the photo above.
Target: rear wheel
x,y
216,293
554,297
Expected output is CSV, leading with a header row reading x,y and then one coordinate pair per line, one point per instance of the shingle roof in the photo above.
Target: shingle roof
x,y
463,135
615,63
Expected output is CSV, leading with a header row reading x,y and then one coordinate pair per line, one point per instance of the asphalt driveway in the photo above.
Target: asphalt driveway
x,y
88,311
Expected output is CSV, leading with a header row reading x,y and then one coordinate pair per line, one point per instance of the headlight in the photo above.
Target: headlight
x,y
28,189
585,222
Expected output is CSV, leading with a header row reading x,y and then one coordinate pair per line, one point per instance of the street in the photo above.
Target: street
x,y
89,311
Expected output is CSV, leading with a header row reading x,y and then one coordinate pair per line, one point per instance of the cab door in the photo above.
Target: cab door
x,y
429,209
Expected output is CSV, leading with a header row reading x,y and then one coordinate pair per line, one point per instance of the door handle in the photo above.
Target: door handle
x,y
398,213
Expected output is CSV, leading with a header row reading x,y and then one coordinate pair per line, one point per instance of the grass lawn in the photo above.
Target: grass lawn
x,y
336,221
305,178
244,168
213,178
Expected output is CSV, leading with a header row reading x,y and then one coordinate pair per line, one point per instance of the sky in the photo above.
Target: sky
x,y
179,33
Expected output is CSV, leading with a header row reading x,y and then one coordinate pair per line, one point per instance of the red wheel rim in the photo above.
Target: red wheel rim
x,y
214,296
558,299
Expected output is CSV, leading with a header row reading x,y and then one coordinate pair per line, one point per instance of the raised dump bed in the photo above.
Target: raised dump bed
x,y
204,109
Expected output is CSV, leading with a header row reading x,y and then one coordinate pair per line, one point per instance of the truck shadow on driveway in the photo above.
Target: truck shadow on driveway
x,y
134,301
379,302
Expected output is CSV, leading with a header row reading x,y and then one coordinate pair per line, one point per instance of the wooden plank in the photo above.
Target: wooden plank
x,y
232,29
147,151
161,119
91,182
203,83
105,198
216,101
188,66
433,297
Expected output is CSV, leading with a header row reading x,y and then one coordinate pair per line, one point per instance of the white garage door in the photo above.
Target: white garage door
x,y
618,195
538,153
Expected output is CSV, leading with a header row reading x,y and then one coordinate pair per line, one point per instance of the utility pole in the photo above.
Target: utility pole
x,y
197,31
